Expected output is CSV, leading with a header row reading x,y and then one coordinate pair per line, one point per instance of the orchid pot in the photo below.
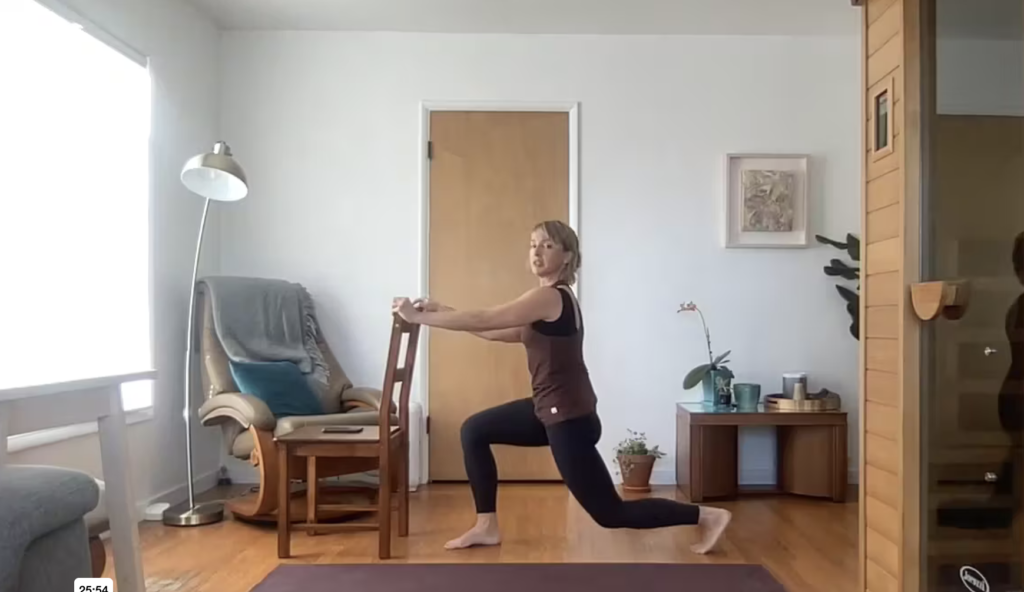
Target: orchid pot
x,y
714,377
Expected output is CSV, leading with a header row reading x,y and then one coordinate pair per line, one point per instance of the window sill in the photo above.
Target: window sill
x,y
52,436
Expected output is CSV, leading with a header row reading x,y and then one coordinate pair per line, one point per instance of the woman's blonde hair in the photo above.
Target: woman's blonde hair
x,y
565,237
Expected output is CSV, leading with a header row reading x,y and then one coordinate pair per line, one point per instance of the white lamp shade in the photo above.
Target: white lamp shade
x,y
215,175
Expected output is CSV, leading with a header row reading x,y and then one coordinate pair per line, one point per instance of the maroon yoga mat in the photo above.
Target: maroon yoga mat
x,y
521,577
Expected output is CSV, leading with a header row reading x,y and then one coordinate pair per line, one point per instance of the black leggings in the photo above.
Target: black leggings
x,y
573,446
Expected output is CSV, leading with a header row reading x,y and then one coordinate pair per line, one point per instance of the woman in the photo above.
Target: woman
x,y
562,412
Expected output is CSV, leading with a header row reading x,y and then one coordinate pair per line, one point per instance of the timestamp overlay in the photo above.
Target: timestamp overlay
x,y
94,585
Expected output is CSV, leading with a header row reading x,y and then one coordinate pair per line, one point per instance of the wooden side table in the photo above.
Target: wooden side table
x,y
811,451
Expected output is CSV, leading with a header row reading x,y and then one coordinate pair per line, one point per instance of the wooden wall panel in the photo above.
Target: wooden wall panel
x,y
882,388
883,191
882,453
882,322
884,29
881,421
883,519
884,552
883,224
882,305
888,164
875,9
879,581
885,61
882,354
882,289
884,256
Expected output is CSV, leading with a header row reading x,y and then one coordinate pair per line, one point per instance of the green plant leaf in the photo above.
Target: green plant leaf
x,y
848,294
853,247
719,359
695,376
841,269
827,241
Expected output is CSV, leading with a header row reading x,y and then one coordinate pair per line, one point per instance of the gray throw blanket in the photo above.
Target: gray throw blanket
x,y
265,320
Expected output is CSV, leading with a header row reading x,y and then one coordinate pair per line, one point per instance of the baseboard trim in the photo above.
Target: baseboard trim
x,y
178,494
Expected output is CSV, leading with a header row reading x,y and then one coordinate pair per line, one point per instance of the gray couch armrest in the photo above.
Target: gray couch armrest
x,y
247,410
38,500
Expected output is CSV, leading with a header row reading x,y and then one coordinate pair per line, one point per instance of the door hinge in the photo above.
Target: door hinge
x,y
430,150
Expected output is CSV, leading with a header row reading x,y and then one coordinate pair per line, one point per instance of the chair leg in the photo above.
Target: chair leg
x,y
384,510
284,543
311,493
403,487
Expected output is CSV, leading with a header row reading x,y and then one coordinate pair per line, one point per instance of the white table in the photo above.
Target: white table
x,y
44,406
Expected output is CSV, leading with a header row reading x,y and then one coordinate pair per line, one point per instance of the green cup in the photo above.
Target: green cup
x,y
747,396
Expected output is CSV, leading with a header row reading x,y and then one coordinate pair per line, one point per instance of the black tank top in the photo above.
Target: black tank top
x,y
554,354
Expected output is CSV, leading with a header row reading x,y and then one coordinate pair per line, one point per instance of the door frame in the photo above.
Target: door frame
x,y
572,108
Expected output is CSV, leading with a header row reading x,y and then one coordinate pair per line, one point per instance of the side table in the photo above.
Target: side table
x,y
811,451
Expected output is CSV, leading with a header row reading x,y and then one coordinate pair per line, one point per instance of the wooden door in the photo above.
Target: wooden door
x,y
493,176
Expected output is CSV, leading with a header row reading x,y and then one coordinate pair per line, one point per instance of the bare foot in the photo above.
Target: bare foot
x,y
711,525
484,532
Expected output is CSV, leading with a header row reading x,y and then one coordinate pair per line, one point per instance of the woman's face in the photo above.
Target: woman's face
x,y
546,258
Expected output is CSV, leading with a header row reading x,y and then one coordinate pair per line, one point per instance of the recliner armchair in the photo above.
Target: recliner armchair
x,y
249,427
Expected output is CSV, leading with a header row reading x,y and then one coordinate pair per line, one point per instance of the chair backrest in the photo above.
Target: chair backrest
x,y
395,375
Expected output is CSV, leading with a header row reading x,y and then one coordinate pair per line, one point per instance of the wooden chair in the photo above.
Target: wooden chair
x,y
389,454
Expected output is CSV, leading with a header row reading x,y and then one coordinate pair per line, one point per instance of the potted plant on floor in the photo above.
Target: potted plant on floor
x,y
715,376
636,461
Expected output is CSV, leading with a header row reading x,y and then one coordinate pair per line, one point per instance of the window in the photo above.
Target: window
x,y
882,123
74,204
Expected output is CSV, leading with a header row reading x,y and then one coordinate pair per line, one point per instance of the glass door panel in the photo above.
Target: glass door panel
x,y
972,382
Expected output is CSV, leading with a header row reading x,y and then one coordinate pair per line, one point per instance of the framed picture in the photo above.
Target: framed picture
x,y
766,201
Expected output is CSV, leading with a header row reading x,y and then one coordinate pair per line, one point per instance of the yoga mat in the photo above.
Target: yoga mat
x,y
521,577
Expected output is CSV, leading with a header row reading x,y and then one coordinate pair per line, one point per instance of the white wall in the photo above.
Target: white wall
x,y
328,125
183,47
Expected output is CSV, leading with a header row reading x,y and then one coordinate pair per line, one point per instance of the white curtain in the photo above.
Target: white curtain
x,y
74,204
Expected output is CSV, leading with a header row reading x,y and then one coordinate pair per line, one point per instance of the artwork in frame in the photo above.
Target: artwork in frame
x,y
766,201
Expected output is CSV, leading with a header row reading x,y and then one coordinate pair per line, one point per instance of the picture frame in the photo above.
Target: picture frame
x,y
765,201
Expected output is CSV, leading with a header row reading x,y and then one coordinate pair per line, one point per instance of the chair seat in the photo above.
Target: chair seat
x,y
287,425
312,441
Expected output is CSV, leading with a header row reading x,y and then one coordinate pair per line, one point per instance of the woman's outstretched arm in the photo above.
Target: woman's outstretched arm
x,y
514,335
536,305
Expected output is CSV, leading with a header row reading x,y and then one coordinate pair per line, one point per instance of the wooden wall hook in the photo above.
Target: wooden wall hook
x,y
946,298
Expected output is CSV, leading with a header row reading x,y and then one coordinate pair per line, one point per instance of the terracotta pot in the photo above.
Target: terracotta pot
x,y
636,471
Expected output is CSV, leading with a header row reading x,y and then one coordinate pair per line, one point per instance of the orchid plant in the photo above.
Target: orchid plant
x,y
715,363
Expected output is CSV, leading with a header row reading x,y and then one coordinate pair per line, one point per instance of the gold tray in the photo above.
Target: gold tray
x,y
821,401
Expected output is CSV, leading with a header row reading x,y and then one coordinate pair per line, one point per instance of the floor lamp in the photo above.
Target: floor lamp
x,y
215,176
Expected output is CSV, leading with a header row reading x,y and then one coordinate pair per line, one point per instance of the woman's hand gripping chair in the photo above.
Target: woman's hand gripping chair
x,y
249,427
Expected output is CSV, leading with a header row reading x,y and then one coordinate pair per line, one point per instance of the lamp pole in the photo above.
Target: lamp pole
x,y
189,345
214,176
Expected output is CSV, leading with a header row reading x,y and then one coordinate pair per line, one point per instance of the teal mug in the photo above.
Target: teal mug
x,y
746,396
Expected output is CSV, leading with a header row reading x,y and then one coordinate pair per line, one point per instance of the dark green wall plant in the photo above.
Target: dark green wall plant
x,y
840,269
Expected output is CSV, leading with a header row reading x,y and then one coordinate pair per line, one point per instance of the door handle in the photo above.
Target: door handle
x,y
989,351
946,298
991,477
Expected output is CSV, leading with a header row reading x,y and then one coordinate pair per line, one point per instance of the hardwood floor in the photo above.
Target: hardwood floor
x,y
809,545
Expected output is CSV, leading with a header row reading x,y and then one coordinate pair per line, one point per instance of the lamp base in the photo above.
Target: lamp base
x,y
201,514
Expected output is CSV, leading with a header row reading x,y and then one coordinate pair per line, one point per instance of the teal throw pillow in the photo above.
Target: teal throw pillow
x,y
281,385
